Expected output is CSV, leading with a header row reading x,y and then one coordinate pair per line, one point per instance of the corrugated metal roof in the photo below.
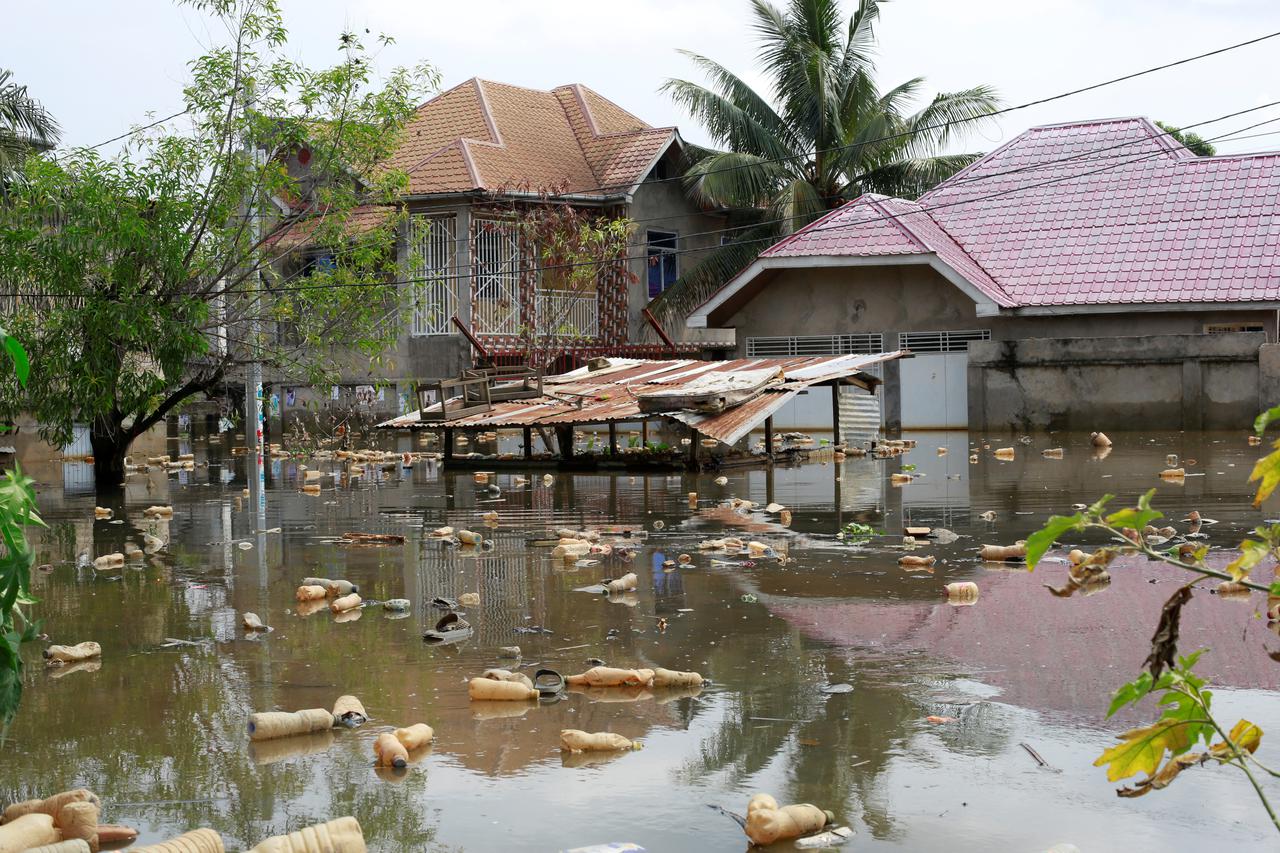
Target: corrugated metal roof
x,y
609,394
733,424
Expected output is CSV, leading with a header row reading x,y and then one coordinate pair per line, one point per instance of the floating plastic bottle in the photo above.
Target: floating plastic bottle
x,y
274,724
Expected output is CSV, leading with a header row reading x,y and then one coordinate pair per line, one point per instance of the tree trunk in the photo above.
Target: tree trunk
x,y
110,445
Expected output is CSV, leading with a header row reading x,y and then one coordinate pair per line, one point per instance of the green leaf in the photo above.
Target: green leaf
x,y
1096,508
1263,420
1138,517
21,365
1042,540
1127,694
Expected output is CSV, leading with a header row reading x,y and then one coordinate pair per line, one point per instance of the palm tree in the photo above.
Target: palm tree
x,y
827,134
24,126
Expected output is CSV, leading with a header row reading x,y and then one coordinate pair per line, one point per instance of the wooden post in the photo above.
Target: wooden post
x,y
644,433
564,437
528,443
448,443
694,444
837,437
768,436
613,438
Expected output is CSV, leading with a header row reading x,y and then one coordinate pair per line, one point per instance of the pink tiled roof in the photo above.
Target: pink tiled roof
x,y
482,135
1099,212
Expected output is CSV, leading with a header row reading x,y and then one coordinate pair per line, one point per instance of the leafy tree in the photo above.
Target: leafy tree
x,y
140,281
1198,145
826,133
24,126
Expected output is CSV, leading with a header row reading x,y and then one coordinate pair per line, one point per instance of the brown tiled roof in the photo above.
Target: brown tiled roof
x,y
359,220
482,135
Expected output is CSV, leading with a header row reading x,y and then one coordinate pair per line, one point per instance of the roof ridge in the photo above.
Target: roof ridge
x,y
965,251
582,87
486,111
899,224
513,85
464,146
1088,122
1156,135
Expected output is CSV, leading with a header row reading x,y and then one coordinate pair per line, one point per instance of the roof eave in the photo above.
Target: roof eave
x,y
1140,307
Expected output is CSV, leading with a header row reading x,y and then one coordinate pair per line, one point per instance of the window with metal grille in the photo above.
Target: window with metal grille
x,y
495,277
798,345
942,341
433,247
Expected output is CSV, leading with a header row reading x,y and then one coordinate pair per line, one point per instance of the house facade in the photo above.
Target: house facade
x,y
1107,237
477,155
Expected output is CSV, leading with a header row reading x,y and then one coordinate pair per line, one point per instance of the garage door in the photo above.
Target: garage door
x,y
935,386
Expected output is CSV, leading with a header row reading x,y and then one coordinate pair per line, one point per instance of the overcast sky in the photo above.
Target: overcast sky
x,y
101,67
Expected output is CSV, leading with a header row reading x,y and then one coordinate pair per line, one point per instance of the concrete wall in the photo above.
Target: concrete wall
x,y
915,298
665,207
1153,381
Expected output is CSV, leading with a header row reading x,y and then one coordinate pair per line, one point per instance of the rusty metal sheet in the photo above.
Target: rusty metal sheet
x,y
731,425
606,394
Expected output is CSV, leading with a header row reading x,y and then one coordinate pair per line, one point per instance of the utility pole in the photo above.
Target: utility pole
x,y
253,416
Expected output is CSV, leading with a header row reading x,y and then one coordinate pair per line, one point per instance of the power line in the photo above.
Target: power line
x,y
458,270
774,238
955,122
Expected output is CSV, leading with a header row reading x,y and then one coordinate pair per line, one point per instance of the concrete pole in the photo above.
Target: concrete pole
x,y
253,380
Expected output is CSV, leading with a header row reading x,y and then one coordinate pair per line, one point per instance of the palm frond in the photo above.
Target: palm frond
x,y
735,90
731,179
773,30
909,178
798,204
895,101
949,116
22,116
861,42
725,121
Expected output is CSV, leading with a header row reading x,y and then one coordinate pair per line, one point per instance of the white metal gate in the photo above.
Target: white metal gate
x,y
495,265
935,383
433,244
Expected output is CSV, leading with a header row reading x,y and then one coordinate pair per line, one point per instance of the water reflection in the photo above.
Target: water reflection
x,y
157,726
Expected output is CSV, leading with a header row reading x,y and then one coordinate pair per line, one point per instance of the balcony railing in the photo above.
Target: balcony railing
x,y
568,314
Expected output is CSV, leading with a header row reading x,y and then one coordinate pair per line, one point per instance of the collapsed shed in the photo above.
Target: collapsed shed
x,y
716,403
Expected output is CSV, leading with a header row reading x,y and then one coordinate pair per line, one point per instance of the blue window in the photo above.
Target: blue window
x,y
664,263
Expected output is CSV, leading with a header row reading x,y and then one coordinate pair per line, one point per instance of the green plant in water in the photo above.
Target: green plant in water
x,y
856,530
1163,749
17,512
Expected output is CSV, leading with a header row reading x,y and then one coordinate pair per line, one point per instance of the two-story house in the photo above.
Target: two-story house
x,y
474,153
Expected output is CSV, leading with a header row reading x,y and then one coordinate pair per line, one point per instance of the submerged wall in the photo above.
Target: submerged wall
x,y
1144,382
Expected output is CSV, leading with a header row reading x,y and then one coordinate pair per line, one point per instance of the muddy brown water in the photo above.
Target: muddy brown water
x,y
159,732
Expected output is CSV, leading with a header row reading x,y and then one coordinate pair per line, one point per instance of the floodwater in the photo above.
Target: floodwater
x,y
159,732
